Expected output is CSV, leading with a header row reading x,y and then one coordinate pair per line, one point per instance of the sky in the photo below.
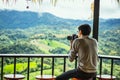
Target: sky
x,y
71,9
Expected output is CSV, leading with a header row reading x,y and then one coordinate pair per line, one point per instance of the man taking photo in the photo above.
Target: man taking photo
x,y
86,49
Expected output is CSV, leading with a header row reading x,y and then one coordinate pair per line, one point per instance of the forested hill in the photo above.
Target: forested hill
x,y
30,32
25,19
17,19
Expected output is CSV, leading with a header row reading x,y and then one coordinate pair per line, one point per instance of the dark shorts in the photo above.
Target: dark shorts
x,y
75,73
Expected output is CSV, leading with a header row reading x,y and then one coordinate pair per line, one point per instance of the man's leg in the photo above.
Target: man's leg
x,y
67,75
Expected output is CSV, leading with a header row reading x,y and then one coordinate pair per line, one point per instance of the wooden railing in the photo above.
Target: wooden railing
x,y
52,56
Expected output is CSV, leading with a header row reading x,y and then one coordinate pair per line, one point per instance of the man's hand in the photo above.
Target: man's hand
x,y
71,41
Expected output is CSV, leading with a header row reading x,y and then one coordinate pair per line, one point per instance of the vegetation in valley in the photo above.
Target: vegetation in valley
x,y
48,35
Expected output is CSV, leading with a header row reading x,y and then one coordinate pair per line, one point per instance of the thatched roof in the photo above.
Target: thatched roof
x,y
53,2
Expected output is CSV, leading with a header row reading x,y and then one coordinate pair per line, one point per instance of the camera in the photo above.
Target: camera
x,y
74,36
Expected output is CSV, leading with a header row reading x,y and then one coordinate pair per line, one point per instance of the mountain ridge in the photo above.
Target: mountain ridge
x,y
11,19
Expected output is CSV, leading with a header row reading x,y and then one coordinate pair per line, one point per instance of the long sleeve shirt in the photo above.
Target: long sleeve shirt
x,y
86,49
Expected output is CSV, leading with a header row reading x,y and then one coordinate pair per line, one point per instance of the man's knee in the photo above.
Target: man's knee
x,y
58,78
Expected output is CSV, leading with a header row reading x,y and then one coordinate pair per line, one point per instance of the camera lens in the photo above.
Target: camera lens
x,y
69,37
74,36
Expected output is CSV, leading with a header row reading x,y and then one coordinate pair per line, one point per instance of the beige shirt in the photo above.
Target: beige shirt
x,y
86,49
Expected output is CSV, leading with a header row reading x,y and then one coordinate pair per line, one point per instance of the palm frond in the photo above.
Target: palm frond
x,y
118,1
53,2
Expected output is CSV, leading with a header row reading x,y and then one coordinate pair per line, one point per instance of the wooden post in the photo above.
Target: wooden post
x,y
96,19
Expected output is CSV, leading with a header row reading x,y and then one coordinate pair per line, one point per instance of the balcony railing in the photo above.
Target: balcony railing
x,y
53,57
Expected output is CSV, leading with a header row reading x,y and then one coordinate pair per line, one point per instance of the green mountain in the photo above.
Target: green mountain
x,y
30,32
33,33
17,19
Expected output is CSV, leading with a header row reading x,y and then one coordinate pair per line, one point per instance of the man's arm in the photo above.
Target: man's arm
x,y
73,50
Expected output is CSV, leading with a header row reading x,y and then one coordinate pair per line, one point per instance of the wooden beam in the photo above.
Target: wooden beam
x,y
96,19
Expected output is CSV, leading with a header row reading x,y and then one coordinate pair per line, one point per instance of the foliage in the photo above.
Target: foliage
x,y
20,67
47,35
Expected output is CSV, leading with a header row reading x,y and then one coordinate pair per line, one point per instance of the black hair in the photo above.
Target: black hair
x,y
85,29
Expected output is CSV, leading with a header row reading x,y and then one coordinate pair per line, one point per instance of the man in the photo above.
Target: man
x,y
86,48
